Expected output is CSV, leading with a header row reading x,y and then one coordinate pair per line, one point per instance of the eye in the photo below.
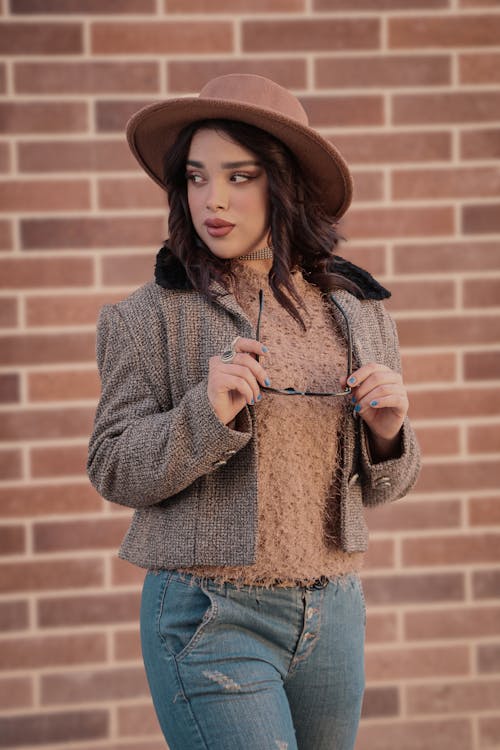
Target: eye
x,y
193,177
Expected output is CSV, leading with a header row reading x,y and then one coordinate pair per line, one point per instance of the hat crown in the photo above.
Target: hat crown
x,y
258,91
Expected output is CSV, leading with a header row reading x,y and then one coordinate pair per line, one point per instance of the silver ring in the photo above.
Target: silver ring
x,y
229,354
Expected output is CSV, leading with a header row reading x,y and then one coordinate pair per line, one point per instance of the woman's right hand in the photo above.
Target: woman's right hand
x,y
231,385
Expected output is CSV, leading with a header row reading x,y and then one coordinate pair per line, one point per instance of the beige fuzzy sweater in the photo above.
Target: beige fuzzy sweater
x,y
297,441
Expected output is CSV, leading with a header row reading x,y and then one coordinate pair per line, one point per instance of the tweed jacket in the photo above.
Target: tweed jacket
x,y
158,446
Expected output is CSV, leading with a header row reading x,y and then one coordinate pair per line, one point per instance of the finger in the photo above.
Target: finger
x,y
249,345
242,371
387,380
236,383
397,401
255,367
360,375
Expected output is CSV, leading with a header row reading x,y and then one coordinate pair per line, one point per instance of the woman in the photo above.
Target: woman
x,y
248,456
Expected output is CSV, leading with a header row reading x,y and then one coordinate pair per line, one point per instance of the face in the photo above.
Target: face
x,y
226,183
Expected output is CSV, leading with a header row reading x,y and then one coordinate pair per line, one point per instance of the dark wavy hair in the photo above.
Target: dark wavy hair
x,y
302,234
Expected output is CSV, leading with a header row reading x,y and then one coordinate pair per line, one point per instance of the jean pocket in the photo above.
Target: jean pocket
x,y
185,612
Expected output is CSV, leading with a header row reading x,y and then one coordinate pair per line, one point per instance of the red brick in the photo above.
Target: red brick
x,y
130,270
478,3
5,159
137,720
40,37
83,6
439,441
483,439
161,37
484,511
54,727
444,31
124,573
112,115
39,424
63,386
44,500
86,77
488,657
369,185
58,461
450,330
96,609
310,35
422,368
3,90
64,536
369,256
415,735
455,477
14,615
131,193
12,540
486,584
453,107
8,312
10,464
434,257
43,575
233,6
6,241
50,650
411,662
74,156
388,148
481,365
479,68
458,549
379,71
42,117
381,627
44,195
67,309
413,589
127,645
188,76
421,295
399,222
9,388
452,623
91,232
39,273
382,554
481,292
343,111
380,701
47,348
16,692
480,144
489,732
481,219
416,515
376,5
456,403
101,685
408,184
461,697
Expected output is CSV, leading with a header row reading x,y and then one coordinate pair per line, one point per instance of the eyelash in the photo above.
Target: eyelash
x,y
191,175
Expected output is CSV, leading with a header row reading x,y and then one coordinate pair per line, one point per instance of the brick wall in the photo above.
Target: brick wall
x,y
409,91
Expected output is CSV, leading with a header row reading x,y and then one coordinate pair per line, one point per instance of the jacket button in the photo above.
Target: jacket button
x,y
383,482
230,453
218,463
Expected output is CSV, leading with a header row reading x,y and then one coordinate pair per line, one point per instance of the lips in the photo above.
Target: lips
x,y
218,223
218,227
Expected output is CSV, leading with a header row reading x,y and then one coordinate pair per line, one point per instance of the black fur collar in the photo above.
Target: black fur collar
x,y
170,274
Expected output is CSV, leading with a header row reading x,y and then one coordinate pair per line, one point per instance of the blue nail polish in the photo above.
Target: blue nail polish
x,y
373,403
352,380
267,381
259,397
353,399
357,407
252,401
265,349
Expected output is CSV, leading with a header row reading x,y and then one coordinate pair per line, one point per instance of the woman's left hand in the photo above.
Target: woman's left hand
x,y
380,399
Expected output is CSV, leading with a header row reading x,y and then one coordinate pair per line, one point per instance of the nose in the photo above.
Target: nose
x,y
217,196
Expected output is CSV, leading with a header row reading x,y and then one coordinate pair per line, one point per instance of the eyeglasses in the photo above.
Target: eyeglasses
x,y
293,391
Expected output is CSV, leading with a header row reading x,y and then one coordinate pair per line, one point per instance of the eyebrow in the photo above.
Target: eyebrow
x,y
225,165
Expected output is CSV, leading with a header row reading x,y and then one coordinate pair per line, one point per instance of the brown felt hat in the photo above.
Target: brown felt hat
x,y
254,100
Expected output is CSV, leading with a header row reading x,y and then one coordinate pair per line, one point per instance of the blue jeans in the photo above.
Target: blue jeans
x,y
254,669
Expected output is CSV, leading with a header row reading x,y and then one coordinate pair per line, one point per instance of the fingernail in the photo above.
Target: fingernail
x,y
353,399
267,381
357,407
352,380
373,403
259,397
252,401
265,349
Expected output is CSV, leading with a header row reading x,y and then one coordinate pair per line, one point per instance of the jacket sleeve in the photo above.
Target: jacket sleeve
x,y
140,453
389,480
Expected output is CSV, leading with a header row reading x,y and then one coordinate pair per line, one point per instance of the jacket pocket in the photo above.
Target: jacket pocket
x,y
186,610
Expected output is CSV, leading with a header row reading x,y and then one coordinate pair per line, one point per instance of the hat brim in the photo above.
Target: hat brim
x,y
153,129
